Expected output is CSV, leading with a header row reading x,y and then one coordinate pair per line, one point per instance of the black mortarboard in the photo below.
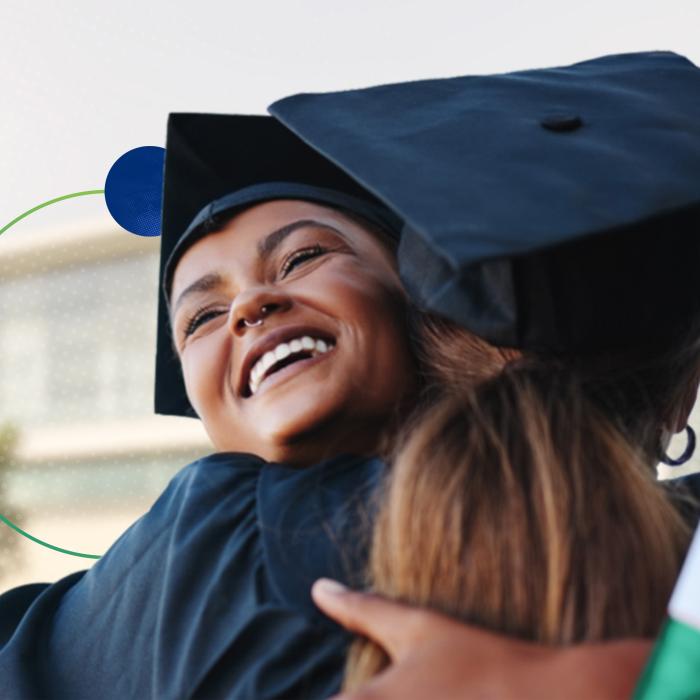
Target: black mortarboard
x,y
554,209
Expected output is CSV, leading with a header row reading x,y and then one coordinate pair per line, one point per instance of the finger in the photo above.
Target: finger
x,y
394,626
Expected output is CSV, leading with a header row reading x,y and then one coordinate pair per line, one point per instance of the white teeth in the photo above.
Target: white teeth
x,y
282,350
268,359
258,372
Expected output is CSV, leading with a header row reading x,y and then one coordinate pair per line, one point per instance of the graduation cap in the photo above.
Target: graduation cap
x,y
554,210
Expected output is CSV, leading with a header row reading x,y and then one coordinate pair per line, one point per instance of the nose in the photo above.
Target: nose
x,y
252,306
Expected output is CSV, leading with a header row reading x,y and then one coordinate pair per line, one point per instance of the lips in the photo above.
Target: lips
x,y
268,343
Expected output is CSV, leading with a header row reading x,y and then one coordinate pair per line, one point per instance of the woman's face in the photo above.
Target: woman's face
x,y
321,277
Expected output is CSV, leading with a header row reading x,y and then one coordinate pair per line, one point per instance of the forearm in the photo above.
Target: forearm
x,y
603,670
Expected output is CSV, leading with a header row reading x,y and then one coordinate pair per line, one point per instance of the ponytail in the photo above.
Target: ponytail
x,y
515,503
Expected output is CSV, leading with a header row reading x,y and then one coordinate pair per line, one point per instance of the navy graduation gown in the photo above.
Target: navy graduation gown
x,y
205,596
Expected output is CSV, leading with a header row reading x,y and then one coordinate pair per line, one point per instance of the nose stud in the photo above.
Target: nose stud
x,y
263,312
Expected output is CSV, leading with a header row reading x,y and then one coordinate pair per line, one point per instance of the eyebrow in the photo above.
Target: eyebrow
x,y
265,248
206,283
268,245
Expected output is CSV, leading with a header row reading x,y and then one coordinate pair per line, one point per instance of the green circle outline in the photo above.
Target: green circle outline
x,y
7,522
46,544
46,204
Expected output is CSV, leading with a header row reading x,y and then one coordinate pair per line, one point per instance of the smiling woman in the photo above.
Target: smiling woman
x,y
320,278
211,588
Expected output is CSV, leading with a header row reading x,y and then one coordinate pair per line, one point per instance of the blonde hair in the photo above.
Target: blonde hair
x,y
518,501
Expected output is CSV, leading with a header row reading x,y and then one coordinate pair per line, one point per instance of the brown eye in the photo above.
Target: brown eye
x,y
300,256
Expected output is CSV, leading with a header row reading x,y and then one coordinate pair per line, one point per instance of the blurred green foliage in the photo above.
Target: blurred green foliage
x,y
9,539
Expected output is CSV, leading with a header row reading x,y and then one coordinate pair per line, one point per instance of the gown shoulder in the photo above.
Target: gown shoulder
x,y
206,595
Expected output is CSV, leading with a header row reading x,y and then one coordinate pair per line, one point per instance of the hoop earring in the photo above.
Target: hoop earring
x,y
687,454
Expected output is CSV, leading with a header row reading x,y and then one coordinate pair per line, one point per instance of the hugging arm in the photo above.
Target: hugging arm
x,y
434,656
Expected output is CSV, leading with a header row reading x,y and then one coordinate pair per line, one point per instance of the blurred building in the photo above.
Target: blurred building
x,y
77,349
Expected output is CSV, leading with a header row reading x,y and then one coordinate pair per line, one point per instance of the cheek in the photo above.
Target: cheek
x,y
369,299
205,369
381,306
390,341
371,286
376,315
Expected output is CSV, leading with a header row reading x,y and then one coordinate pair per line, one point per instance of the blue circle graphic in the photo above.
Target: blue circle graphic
x,y
134,190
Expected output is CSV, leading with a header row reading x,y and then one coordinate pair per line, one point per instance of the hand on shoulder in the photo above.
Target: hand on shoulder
x,y
434,656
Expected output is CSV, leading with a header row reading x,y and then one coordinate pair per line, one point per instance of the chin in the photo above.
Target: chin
x,y
293,428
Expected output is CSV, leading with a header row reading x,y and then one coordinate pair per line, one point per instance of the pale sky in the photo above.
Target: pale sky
x,y
83,82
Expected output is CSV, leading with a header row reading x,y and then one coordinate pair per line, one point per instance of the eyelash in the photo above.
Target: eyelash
x,y
201,316
303,254
205,314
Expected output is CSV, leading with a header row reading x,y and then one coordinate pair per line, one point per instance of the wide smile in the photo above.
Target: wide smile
x,y
286,361
283,346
